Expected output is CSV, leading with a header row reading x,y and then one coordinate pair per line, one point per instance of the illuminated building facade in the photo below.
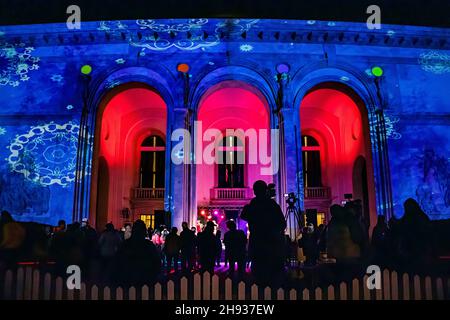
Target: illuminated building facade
x,y
87,116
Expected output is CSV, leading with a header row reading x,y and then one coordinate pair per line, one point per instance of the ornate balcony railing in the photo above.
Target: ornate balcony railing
x,y
230,193
317,193
147,193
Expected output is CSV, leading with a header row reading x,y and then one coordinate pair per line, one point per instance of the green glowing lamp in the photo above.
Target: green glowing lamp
x,y
377,71
86,69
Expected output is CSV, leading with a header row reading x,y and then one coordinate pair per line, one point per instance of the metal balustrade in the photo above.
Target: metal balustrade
x,y
148,193
317,193
230,193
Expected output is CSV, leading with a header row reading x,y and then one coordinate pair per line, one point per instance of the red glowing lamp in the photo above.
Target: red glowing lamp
x,y
183,67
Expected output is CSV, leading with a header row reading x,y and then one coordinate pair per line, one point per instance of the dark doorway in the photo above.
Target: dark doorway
x,y
360,186
102,194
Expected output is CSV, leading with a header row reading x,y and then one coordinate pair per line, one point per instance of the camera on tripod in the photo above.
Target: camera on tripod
x,y
271,192
291,199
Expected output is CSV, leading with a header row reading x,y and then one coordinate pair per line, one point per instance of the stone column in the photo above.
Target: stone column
x,y
175,200
293,153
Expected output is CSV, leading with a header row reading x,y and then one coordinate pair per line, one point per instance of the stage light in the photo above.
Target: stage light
x,y
86,69
377,71
283,68
216,212
183,67
202,212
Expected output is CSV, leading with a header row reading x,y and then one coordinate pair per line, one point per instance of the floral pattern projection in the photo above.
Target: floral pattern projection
x,y
38,163
16,62
46,154
435,62
433,193
167,33
40,159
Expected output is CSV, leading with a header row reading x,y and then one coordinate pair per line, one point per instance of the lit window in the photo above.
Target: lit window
x,y
320,218
152,168
231,163
312,174
148,219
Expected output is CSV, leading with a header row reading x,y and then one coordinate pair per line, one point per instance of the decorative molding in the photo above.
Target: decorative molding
x,y
191,34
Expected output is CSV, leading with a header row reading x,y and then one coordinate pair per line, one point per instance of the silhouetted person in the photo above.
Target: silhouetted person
x,y
322,237
12,238
127,231
207,248
235,242
287,249
137,261
340,244
379,239
157,240
358,229
90,239
218,247
413,236
172,249
266,224
149,233
108,244
187,247
75,240
309,243
59,246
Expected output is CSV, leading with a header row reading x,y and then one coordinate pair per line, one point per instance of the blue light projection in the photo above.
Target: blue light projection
x,y
246,47
41,93
435,62
390,123
57,78
197,41
46,154
16,60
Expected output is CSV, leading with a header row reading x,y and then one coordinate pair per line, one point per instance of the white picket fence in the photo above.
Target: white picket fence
x,y
29,284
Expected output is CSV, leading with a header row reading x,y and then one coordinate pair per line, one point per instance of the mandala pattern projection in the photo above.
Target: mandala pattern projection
x,y
15,63
435,62
46,154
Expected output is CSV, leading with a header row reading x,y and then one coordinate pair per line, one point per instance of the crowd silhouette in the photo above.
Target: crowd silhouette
x,y
137,255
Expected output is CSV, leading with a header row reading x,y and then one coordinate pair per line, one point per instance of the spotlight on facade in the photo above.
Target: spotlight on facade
x,y
86,69
283,68
377,71
183,67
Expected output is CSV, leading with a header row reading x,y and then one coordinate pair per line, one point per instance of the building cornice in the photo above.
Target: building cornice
x,y
230,30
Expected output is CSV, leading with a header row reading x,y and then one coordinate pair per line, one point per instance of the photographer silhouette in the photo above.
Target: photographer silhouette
x,y
266,224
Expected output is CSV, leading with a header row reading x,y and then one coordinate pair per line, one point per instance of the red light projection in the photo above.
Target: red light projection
x,y
231,105
338,121
128,118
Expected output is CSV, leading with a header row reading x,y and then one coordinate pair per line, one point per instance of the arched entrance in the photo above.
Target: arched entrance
x,y
234,118
336,119
129,156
